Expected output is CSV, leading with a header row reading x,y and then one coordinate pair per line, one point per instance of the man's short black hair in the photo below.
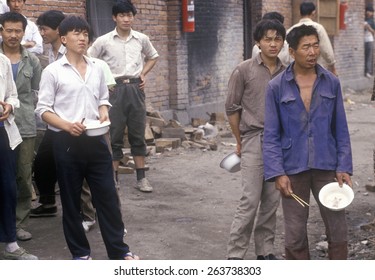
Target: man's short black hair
x,y
73,23
24,1
369,8
274,15
13,17
294,36
51,18
123,6
268,24
306,8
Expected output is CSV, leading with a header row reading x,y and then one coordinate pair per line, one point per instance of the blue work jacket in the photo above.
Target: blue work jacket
x,y
296,140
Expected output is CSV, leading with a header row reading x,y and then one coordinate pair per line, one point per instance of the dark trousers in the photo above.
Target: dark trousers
x,y
296,216
128,110
8,190
45,170
369,62
79,158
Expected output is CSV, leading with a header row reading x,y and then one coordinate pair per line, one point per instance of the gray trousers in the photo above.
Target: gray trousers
x,y
369,62
25,156
259,202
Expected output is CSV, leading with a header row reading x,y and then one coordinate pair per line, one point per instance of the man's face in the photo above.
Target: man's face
x,y
12,34
76,41
124,21
271,44
16,5
307,53
48,34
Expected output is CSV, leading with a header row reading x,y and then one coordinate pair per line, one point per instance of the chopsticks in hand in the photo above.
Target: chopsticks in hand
x,y
299,200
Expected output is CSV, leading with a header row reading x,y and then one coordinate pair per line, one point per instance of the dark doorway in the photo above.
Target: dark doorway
x,y
248,40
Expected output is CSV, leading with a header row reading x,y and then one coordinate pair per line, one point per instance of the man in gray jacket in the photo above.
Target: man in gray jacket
x,y
26,74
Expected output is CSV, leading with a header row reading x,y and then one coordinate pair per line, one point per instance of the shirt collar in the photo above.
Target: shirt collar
x,y
302,20
64,61
131,34
24,52
289,74
259,60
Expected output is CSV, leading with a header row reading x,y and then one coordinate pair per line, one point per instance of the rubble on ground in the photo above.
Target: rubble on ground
x,y
163,136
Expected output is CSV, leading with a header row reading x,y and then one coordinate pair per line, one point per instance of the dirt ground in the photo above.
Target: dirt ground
x,y
188,216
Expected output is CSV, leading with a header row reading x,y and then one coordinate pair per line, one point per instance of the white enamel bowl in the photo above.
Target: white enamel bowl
x,y
95,128
231,163
336,198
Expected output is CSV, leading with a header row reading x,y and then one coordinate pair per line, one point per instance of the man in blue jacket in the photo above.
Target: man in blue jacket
x,y
306,143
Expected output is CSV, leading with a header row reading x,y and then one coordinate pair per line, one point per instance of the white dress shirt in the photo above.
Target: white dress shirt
x,y
64,92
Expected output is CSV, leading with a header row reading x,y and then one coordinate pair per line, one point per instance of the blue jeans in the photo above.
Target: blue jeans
x,y
8,190
89,158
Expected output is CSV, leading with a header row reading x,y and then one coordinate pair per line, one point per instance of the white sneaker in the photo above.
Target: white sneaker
x,y
87,225
144,185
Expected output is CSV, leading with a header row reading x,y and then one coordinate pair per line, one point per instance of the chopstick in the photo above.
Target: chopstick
x,y
299,200
83,120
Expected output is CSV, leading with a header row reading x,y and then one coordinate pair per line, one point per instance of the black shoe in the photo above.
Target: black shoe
x,y
42,211
235,258
268,257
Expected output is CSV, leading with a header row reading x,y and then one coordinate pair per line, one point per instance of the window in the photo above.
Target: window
x,y
99,16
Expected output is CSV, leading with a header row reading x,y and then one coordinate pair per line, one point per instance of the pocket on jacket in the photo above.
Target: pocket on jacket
x,y
286,143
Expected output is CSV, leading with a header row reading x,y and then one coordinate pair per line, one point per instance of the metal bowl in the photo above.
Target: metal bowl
x,y
95,128
231,163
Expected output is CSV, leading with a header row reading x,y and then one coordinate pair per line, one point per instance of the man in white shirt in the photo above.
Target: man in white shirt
x,y
131,56
327,56
73,90
3,7
32,39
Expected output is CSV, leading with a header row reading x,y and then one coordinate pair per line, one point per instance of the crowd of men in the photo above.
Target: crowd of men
x,y
284,106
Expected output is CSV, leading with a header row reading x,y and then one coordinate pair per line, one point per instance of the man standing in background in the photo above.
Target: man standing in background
x,y
9,140
369,41
3,7
131,56
44,164
26,74
245,110
32,40
327,56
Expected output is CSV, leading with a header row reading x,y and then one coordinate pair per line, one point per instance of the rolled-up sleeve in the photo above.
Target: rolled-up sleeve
x,y
235,92
46,95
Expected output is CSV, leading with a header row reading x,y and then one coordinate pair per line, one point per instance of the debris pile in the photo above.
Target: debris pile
x,y
162,136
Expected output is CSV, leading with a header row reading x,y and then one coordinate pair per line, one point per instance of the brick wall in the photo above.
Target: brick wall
x,y
214,49
193,69
35,7
152,19
348,44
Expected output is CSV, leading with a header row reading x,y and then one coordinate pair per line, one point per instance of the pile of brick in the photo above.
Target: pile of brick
x,y
162,136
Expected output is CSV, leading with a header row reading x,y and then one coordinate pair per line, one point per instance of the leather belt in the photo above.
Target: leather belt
x,y
124,80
